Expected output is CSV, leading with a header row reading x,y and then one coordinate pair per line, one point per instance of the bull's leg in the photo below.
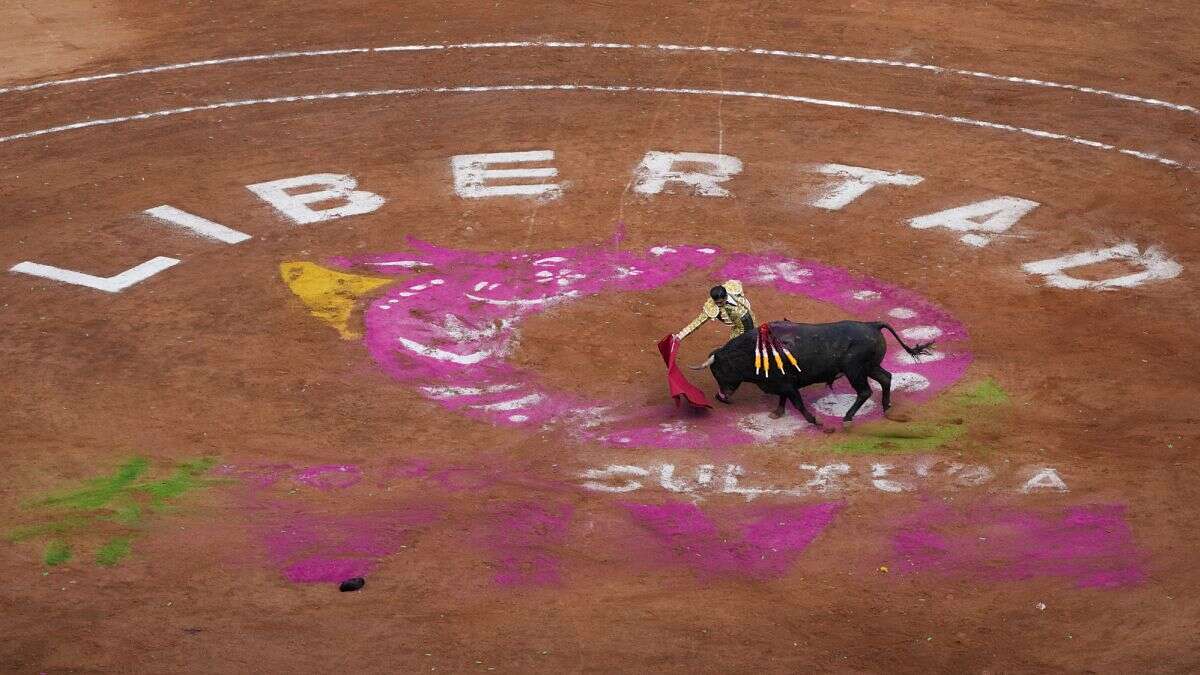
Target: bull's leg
x,y
794,397
858,380
884,378
778,411
723,394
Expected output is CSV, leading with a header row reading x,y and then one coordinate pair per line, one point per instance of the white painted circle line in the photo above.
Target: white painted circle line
x,y
966,121
922,333
538,44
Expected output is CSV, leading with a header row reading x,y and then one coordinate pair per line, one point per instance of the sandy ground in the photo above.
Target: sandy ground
x,y
48,38
484,550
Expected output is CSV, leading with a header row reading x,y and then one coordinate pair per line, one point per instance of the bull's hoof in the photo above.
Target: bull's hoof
x,y
826,430
723,398
776,414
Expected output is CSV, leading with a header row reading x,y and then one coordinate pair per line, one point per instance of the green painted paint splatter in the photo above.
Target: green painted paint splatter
x,y
892,439
61,526
987,392
112,552
187,477
100,491
123,498
887,437
57,553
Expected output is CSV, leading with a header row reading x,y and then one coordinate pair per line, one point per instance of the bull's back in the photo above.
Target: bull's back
x,y
828,348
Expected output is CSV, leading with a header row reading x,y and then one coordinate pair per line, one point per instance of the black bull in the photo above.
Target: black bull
x,y
824,352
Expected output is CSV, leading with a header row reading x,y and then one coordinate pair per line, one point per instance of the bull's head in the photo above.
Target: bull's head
x,y
724,372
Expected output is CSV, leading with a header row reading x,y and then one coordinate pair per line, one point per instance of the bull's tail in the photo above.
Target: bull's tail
x,y
919,350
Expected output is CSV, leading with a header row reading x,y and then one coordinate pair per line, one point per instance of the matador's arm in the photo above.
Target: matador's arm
x,y
696,323
709,311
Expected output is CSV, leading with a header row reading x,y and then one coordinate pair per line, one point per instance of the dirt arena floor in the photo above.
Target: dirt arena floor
x,y
400,367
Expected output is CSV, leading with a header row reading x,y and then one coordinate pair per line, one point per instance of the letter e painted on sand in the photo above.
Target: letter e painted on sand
x,y
471,175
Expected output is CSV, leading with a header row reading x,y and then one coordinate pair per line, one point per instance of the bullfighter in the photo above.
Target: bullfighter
x,y
728,304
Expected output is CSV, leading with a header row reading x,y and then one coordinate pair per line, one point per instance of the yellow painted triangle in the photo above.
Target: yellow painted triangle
x,y
329,295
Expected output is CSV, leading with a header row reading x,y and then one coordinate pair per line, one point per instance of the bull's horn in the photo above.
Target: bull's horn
x,y
706,364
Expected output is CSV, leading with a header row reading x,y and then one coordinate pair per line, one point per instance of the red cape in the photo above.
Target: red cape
x,y
680,387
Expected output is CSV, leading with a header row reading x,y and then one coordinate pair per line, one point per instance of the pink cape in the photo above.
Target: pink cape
x,y
680,387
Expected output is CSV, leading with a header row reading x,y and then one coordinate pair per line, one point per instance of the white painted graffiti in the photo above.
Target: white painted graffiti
x,y
111,284
708,480
333,187
854,182
658,169
703,174
471,174
197,225
1155,265
990,217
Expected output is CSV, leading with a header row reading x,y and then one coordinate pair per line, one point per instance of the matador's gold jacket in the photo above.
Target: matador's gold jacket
x,y
735,313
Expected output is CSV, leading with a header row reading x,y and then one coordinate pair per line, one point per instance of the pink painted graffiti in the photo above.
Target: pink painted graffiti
x,y
257,476
310,547
330,476
760,543
449,328
451,478
264,476
522,538
1092,546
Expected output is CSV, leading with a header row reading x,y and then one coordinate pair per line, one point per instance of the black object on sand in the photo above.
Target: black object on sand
x,y
352,584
